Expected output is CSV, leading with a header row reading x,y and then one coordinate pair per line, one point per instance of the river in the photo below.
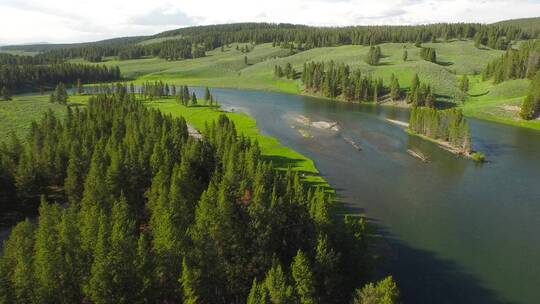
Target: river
x,y
458,232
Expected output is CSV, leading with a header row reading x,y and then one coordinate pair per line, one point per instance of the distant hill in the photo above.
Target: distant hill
x,y
530,25
42,47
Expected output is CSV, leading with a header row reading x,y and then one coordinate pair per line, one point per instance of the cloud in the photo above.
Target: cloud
x,y
162,17
76,21
387,13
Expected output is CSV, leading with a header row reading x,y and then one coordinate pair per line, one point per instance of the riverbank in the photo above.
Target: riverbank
x,y
442,144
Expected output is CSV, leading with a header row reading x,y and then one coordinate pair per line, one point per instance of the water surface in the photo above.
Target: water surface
x,y
458,232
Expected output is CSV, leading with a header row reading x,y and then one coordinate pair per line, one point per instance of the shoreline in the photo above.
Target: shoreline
x,y
442,144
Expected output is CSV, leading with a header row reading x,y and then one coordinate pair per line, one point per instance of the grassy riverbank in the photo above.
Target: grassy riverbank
x,y
281,156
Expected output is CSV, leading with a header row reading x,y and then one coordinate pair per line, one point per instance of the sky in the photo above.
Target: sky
x,y
63,21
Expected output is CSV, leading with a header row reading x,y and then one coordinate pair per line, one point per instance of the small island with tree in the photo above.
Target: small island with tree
x,y
447,128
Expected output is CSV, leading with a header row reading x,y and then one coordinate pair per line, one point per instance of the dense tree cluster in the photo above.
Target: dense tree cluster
x,y
531,105
395,90
333,80
175,49
59,94
10,59
287,71
446,125
428,54
305,37
374,55
19,78
493,37
515,64
155,216
420,94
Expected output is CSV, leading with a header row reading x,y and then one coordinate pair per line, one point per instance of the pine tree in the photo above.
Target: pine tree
x,y
80,89
99,287
193,99
258,294
122,254
6,94
464,84
395,91
303,278
47,262
74,184
405,55
144,264
384,292
60,94
190,297
207,95
279,290
17,263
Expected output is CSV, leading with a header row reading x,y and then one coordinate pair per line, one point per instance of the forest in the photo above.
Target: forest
x,y
25,77
515,64
146,214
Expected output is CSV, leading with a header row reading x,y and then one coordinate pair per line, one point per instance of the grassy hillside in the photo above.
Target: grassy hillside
x,y
527,24
16,115
499,102
227,69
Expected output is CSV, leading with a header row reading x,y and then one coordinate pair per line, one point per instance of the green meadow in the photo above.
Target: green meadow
x,y
17,115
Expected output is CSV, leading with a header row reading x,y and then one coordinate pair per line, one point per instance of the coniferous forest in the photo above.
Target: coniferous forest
x,y
20,75
152,215
332,80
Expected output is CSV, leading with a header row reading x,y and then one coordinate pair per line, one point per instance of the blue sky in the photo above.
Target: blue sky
x,y
24,21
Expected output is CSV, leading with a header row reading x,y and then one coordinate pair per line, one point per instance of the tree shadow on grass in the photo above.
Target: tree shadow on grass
x,y
283,163
444,63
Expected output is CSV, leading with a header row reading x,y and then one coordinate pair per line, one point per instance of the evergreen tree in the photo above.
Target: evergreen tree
x,y
258,294
279,291
99,287
6,94
207,95
464,84
193,99
531,104
47,263
384,292
80,89
17,264
374,55
304,279
395,91
405,55
60,94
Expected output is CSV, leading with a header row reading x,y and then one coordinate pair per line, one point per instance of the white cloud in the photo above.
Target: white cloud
x,y
75,20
